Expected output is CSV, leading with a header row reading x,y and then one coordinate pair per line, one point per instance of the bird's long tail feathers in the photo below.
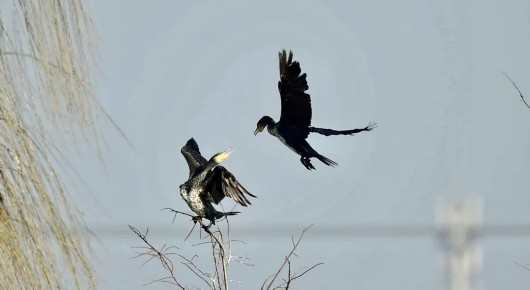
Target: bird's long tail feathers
x,y
327,161
221,214
329,132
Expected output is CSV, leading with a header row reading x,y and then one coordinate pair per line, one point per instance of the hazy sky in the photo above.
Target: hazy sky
x,y
428,72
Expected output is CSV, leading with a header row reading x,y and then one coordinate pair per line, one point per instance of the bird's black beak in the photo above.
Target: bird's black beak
x,y
256,132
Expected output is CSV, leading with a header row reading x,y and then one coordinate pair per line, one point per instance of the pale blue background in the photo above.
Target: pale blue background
x,y
429,72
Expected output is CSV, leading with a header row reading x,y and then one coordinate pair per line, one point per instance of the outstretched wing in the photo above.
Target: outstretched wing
x,y
329,132
193,156
222,183
296,103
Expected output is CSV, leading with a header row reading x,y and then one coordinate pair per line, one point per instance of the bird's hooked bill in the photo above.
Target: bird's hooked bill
x,y
226,154
259,129
222,156
228,151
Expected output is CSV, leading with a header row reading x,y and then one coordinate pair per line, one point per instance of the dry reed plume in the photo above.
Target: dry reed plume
x,y
46,95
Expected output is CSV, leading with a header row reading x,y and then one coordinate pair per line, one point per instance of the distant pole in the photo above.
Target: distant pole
x,y
460,221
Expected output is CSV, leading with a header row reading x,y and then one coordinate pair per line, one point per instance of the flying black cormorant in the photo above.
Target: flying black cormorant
x,y
209,182
295,119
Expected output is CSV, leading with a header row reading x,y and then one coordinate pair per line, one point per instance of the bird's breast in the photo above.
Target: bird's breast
x,y
193,199
287,144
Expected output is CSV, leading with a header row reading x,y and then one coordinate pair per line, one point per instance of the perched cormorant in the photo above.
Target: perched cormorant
x,y
295,119
209,182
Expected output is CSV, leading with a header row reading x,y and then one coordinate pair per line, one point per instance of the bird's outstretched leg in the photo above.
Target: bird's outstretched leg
x,y
307,163
206,228
198,219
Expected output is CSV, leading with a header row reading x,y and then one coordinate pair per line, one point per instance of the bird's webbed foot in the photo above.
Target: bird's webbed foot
x,y
370,127
196,219
307,163
206,228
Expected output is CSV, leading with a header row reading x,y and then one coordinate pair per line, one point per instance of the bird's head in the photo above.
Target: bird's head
x,y
222,156
262,123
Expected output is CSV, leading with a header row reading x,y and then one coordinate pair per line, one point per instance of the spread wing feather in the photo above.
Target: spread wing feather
x,y
193,156
222,183
296,103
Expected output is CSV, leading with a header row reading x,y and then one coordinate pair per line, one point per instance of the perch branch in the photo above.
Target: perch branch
x,y
520,93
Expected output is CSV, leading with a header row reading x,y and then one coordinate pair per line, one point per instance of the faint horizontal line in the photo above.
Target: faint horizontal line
x,y
321,231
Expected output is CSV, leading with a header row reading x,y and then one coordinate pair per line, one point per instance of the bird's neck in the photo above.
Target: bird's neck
x,y
209,166
271,126
272,130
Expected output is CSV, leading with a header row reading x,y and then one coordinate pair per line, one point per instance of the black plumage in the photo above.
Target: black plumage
x,y
294,125
208,183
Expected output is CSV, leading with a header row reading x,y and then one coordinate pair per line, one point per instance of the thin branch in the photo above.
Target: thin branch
x,y
240,260
287,261
177,212
221,254
215,265
198,272
225,260
522,266
194,218
297,276
288,275
153,252
520,93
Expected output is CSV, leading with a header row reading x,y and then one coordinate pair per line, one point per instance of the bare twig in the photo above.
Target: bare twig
x,y
219,259
287,261
220,256
295,276
221,251
177,212
198,272
159,254
193,218
520,93
224,259
288,283
522,266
